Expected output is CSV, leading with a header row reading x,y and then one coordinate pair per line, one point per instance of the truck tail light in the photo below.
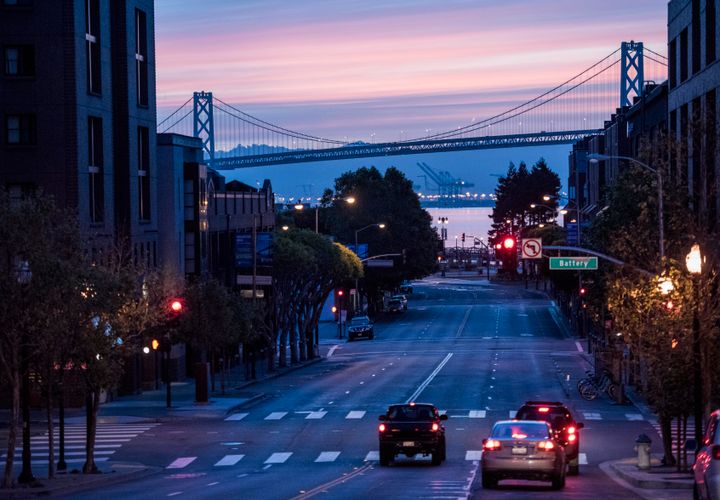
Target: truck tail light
x,y
546,445
435,426
572,438
716,452
571,429
492,445
381,427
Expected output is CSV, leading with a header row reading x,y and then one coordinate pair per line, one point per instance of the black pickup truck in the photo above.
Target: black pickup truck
x,y
411,429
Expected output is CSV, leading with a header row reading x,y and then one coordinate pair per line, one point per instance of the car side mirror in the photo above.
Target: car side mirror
x,y
382,418
580,425
443,416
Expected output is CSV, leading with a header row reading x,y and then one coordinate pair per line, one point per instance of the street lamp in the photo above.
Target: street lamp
x,y
299,206
694,262
24,276
596,157
380,225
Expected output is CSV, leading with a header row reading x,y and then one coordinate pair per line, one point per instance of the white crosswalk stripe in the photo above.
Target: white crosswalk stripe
x,y
181,463
589,415
316,415
356,414
229,460
690,434
473,454
372,456
276,415
327,456
512,413
278,457
582,459
634,416
476,414
236,416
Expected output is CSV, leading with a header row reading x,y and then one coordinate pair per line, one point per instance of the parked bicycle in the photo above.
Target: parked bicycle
x,y
592,386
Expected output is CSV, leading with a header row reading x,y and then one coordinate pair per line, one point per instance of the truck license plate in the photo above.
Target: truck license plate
x,y
519,450
408,443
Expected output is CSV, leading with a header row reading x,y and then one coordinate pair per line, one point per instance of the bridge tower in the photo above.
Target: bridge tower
x,y
203,126
631,73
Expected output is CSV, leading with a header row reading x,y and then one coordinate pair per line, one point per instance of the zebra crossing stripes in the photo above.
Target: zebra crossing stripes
x,y
476,414
634,416
582,459
327,456
229,460
181,463
473,455
589,415
279,458
316,415
236,416
372,456
276,415
355,415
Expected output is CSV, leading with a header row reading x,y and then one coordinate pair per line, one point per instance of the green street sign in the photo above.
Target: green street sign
x,y
573,263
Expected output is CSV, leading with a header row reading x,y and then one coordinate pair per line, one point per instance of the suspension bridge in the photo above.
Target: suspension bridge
x,y
567,112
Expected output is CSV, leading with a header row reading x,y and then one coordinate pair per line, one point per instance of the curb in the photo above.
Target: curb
x,y
648,483
88,481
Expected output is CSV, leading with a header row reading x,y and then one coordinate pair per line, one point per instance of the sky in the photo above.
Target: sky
x,y
388,70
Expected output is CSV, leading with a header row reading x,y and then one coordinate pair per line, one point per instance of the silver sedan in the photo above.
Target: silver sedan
x,y
522,449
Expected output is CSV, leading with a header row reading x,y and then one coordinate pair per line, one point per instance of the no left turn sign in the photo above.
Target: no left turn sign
x,y
531,248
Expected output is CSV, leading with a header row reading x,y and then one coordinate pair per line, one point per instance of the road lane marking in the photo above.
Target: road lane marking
x,y
579,347
316,415
279,457
332,350
327,456
356,414
473,454
323,488
430,378
512,413
372,456
582,460
476,414
181,463
634,416
236,416
592,416
276,415
228,460
464,322
174,493
213,483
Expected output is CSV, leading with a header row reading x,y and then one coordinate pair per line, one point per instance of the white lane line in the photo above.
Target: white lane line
x,y
181,463
213,483
276,415
332,350
327,456
236,416
355,414
476,414
316,415
512,413
634,416
592,415
174,493
229,460
473,454
372,456
430,378
278,458
579,347
582,459
464,322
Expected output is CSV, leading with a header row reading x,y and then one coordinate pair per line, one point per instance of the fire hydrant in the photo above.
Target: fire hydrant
x,y
642,446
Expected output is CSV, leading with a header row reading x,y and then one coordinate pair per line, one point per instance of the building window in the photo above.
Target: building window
x,y
695,36
711,29
92,46
95,169
20,130
141,62
19,60
144,173
683,55
672,63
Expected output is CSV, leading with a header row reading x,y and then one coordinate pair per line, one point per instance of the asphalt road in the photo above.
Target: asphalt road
x,y
475,350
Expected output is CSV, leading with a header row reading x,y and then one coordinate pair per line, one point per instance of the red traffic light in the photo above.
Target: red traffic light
x,y
508,243
176,306
582,291
498,246
340,293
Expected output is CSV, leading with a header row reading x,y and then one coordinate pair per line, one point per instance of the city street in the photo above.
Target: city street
x,y
476,350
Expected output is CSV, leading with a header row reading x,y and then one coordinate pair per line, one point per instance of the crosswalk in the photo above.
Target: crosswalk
x,y
473,414
109,438
674,432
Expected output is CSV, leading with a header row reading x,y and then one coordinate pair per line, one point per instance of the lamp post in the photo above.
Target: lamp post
x,y
24,276
693,261
596,157
357,252
299,206
554,210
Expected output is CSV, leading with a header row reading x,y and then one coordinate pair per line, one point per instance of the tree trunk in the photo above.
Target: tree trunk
x,y
92,404
666,434
12,431
50,428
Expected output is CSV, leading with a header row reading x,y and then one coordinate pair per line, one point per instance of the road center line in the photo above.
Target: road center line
x,y
464,322
430,378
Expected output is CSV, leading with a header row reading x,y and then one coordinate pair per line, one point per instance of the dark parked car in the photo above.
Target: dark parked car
x,y
411,429
563,424
360,326
522,449
707,464
395,306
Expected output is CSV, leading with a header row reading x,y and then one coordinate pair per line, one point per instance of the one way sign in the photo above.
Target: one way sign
x,y
531,248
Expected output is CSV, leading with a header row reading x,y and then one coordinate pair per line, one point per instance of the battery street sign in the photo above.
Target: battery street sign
x,y
573,263
379,263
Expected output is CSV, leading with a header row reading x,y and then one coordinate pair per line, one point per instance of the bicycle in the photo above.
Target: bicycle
x,y
592,386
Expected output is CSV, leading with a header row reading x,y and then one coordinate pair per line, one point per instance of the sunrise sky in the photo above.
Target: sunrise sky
x,y
391,68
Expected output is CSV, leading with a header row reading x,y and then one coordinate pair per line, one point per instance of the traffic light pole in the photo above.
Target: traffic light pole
x,y
166,369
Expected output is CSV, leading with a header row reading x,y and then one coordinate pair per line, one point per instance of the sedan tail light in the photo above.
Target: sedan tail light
x,y
572,438
716,452
435,426
546,445
492,445
571,429
381,427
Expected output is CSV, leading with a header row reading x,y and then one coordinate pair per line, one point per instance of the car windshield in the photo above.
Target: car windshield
x,y
394,303
556,416
362,320
520,430
409,413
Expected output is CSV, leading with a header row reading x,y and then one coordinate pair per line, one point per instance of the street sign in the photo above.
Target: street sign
x,y
379,263
573,263
531,248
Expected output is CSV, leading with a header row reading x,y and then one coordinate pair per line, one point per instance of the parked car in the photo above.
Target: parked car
x,y
563,424
360,326
403,300
411,429
394,306
706,470
406,287
522,449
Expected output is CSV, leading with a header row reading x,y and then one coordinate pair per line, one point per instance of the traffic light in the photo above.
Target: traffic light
x,y
155,344
582,291
174,312
508,243
463,238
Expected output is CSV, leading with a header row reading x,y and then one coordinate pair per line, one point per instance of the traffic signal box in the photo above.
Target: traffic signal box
x,y
506,252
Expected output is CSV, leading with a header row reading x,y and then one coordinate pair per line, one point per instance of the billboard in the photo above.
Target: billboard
x,y
244,249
